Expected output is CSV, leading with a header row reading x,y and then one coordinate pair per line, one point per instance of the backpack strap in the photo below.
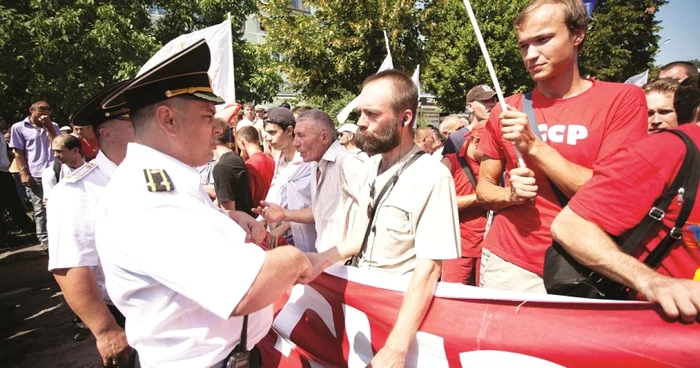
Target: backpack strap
x,y
684,188
467,170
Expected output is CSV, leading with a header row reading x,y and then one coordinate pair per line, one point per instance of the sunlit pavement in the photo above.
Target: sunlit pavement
x,y
36,328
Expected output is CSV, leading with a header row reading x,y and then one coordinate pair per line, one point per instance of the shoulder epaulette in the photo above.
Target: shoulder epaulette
x,y
157,180
80,173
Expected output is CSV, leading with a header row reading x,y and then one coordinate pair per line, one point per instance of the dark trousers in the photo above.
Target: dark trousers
x,y
10,201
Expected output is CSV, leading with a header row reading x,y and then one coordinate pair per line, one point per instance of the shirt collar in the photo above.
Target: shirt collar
x,y
149,158
105,164
332,152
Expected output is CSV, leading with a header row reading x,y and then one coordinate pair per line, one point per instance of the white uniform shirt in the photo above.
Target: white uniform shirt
x,y
335,195
71,218
417,219
48,178
176,266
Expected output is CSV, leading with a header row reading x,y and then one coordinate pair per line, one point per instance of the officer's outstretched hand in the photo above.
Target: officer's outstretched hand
x,y
677,297
255,232
113,347
307,274
318,263
522,185
515,127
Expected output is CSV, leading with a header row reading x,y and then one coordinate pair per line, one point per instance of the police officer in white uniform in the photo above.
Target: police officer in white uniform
x,y
181,270
71,226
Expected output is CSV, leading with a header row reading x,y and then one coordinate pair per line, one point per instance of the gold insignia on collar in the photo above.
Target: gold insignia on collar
x,y
157,180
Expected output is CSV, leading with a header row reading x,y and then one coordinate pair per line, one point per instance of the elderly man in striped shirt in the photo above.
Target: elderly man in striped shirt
x,y
339,180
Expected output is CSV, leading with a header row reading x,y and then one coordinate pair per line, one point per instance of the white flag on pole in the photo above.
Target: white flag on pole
x,y
218,38
416,79
639,79
388,63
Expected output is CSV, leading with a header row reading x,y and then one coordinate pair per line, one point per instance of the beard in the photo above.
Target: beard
x,y
381,141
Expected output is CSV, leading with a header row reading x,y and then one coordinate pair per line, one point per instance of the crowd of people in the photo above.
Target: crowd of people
x,y
227,210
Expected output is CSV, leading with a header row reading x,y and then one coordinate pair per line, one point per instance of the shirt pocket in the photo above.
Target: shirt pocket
x,y
395,233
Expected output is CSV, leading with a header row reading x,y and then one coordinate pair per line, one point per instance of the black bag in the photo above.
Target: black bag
x,y
563,275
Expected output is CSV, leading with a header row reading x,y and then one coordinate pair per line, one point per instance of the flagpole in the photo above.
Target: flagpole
x,y
492,71
230,50
386,40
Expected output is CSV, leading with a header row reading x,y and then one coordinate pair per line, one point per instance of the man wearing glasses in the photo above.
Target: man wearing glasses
x,y
31,140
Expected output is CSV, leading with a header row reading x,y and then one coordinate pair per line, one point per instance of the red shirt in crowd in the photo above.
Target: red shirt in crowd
x,y
89,148
627,183
472,221
583,129
261,168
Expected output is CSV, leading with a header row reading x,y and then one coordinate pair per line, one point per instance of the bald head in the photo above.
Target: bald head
x,y
424,139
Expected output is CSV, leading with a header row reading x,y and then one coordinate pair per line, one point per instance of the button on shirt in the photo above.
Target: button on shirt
x,y
35,143
175,265
335,195
71,221
417,219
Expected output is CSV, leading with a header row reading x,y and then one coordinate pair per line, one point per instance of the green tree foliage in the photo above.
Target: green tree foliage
x,y
454,60
621,41
327,53
63,51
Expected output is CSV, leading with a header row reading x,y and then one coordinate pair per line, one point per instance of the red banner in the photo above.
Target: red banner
x,y
345,316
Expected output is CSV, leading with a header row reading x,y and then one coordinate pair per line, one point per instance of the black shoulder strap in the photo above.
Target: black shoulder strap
x,y
467,170
530,112
373,211
684,188
57,170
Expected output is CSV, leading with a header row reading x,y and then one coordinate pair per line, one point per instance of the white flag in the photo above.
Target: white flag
x,y
639,79
416,79
345,112
218,38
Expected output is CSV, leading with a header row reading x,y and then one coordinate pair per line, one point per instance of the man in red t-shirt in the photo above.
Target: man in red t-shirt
x,y
261,167
609,204
88,141
580,120
472,218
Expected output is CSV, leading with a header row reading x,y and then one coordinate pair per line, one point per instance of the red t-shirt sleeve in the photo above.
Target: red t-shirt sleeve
x,y
628,123
621,192
490,143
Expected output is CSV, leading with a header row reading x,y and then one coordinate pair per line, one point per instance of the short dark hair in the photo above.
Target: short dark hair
x,y
225,135
69,141
248,134
405,92
686,101
575,15
690,69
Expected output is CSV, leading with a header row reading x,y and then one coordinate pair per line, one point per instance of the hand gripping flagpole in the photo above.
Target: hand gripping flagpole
x,y
492,72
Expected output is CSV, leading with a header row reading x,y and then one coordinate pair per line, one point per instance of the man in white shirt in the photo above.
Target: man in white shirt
x,y
73,258
179,269
291,183
346,137
69,158
416,224
336,185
